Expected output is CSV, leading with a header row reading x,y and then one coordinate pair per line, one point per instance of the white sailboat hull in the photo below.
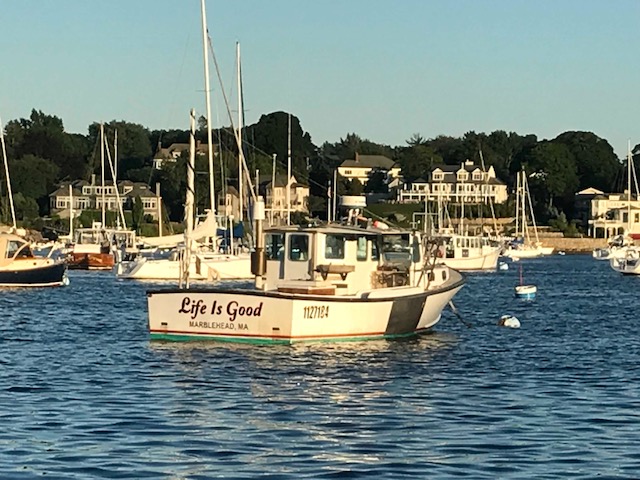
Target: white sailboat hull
x,y
527,252
254,316
202,267
487,260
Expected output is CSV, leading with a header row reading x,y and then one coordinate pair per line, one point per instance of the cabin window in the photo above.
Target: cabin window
x,y
361,254
274,246
12,248
375,252
298,248
334,247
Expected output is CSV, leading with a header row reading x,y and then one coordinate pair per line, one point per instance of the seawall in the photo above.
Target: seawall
x,y
573,245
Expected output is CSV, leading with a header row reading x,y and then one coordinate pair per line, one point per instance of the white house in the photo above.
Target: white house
x,y
466,183
361,167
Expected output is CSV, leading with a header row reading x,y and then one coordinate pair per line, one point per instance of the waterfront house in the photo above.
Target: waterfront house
x,y
86,195
361,167
455,183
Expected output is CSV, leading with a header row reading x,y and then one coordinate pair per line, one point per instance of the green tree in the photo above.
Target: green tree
x,y
596,163
134,147
377,182
26,207
36,186
553,175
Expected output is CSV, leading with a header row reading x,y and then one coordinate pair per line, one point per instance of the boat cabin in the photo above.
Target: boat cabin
x,y
101,240
13,247
340,260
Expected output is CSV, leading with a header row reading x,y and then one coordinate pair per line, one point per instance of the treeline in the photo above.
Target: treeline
x,y
41,155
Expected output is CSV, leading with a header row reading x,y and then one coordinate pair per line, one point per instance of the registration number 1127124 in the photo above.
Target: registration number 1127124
x,y
316,311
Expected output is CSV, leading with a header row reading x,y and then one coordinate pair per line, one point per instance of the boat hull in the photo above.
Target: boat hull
x,y
50,275
526,292
253,316
90,261
205,267
487,261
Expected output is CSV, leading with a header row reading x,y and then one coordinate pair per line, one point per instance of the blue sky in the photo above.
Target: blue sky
x,y
380,68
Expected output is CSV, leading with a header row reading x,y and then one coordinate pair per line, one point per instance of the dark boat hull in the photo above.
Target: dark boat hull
x,y
41,276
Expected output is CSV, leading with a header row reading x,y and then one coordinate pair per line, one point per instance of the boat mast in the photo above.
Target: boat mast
x,y
6,171
461,223
289,174
240,124
488,196
189,203
273,186
104,213
629,162
207,91
70,212
533,218
517,204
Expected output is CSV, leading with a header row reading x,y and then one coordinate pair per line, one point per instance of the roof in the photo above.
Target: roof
x,y
337,230
450,174
369,161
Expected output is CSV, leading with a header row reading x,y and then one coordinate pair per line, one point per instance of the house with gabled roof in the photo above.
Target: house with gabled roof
x,y
83,195
275,195
465,182
173,152
362,165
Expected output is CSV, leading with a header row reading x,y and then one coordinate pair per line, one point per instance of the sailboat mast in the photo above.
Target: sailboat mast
x,y
461,232
273,187
240,123
289,174
189,203
70,212
6,171
629,160
518,204
104,213
207,91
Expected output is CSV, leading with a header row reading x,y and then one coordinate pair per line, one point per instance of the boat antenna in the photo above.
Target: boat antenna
x,y
6,170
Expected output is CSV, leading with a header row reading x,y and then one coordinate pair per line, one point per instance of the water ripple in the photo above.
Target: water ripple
x,y
84,394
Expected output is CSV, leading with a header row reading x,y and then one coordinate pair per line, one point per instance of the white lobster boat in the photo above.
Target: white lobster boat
x,y
322,283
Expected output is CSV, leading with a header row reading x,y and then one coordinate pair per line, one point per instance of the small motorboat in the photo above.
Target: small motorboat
x,y
525,292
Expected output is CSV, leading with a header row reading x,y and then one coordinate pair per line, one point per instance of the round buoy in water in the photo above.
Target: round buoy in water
x,y
509,321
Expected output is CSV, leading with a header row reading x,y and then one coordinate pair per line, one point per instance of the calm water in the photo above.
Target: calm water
x,y
84,394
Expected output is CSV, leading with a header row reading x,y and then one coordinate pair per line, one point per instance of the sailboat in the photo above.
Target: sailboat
x,y
525,244
19,267
626,258
205,261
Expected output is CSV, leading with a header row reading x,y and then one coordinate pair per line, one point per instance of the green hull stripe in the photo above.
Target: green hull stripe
x,y
272,341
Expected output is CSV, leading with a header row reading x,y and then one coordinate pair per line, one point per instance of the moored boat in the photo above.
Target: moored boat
x,y
320,283
19,267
